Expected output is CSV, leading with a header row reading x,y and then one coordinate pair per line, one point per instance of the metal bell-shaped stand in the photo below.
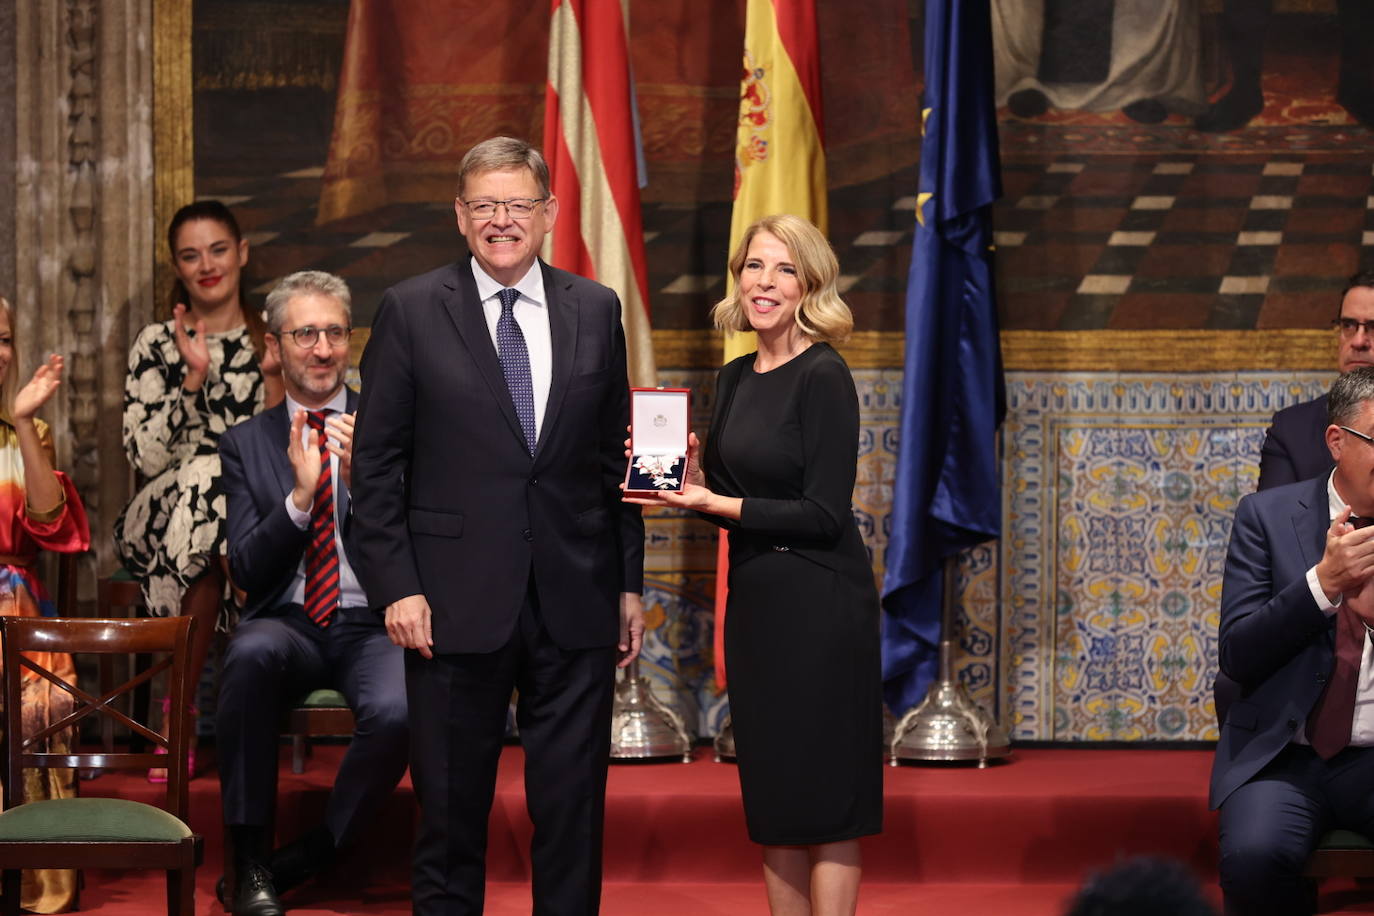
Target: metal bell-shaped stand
x,y
643,728
725,741
948,725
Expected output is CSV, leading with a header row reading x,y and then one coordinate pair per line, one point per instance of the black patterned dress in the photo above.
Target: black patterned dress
x,y
173,527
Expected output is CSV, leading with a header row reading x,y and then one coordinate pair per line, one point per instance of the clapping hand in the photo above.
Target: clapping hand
x,y
303,451
1347,562
39,388
195,352
340,443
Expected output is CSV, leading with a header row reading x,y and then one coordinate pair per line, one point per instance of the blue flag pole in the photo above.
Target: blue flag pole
x,y
946,495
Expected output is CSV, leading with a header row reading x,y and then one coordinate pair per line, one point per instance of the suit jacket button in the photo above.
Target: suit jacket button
x,y
1321,678
528,534
534,481
1292,724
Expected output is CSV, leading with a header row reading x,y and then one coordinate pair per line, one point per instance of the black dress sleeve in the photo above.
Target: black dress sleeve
x,y
828,409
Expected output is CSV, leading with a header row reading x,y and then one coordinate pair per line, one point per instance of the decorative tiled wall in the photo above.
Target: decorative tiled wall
x,y
1094,617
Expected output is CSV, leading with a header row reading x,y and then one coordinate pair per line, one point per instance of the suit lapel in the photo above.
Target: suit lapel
x,y
341,488
563,320
1311,522
465,309
279,434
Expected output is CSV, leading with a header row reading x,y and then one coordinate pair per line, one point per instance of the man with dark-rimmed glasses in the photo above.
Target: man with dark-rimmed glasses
x,y
307,622
1294,445
1296,753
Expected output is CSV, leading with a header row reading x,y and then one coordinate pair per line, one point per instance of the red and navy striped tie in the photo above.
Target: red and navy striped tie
x,y
321,555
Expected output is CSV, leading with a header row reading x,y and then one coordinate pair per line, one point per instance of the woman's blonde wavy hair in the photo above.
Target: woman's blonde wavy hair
x,y
821,315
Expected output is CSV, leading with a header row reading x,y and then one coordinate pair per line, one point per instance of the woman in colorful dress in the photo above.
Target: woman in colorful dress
x,y
190,379
39,509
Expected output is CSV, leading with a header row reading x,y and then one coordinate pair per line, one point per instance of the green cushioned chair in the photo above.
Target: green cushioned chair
x,y
97,832
1342,854
319,713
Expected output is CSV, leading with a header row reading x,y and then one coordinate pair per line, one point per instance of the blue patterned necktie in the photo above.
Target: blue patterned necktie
x,y
515,364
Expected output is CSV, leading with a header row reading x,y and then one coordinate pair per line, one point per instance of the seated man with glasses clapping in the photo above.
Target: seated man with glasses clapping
x,y
1296,754
307,623
1294,446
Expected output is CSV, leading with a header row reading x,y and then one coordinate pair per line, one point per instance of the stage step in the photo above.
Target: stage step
x,y
1012,840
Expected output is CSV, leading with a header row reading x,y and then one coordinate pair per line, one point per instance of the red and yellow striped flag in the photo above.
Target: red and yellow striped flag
x,y
779,162
590,135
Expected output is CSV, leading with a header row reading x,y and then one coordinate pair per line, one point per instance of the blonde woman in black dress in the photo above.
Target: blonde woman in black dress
x,y
801,630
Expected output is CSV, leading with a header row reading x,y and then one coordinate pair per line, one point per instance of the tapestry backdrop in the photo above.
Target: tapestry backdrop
x,y
1158,178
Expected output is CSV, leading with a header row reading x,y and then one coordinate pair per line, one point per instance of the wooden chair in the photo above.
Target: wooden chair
x,y
319,713
97,832
1342,854
120,595
65,595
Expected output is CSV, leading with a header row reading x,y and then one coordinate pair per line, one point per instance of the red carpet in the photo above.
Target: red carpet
x,y
1011,840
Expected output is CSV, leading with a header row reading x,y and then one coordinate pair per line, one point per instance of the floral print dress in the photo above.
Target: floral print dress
x,y
173,528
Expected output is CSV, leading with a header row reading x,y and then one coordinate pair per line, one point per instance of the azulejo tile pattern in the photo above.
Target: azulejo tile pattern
x,y
1119,493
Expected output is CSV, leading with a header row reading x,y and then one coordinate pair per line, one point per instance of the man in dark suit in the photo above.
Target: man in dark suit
x,y
1295,444
490,446
1296,754
306,622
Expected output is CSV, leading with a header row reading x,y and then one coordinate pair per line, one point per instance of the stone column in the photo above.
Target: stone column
x,y
84,226
8,100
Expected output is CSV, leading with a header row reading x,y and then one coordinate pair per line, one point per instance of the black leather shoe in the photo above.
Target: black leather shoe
x,y
302,859
256,896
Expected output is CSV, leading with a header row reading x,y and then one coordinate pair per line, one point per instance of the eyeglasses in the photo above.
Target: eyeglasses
x,y
1357,434
1349,326
307,336
517,207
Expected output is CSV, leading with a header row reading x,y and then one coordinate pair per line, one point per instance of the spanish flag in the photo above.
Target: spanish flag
x,y
590,139
779,163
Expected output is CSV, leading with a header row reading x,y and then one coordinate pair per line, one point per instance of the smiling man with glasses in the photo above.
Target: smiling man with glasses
x,y
1294,445
487,466
1296,753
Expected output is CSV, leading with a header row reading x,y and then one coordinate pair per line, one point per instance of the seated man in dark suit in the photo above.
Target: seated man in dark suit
x,y
1294,445
306,621
1296,754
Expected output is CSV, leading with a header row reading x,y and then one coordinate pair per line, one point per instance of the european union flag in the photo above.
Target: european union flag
x,y
946,497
